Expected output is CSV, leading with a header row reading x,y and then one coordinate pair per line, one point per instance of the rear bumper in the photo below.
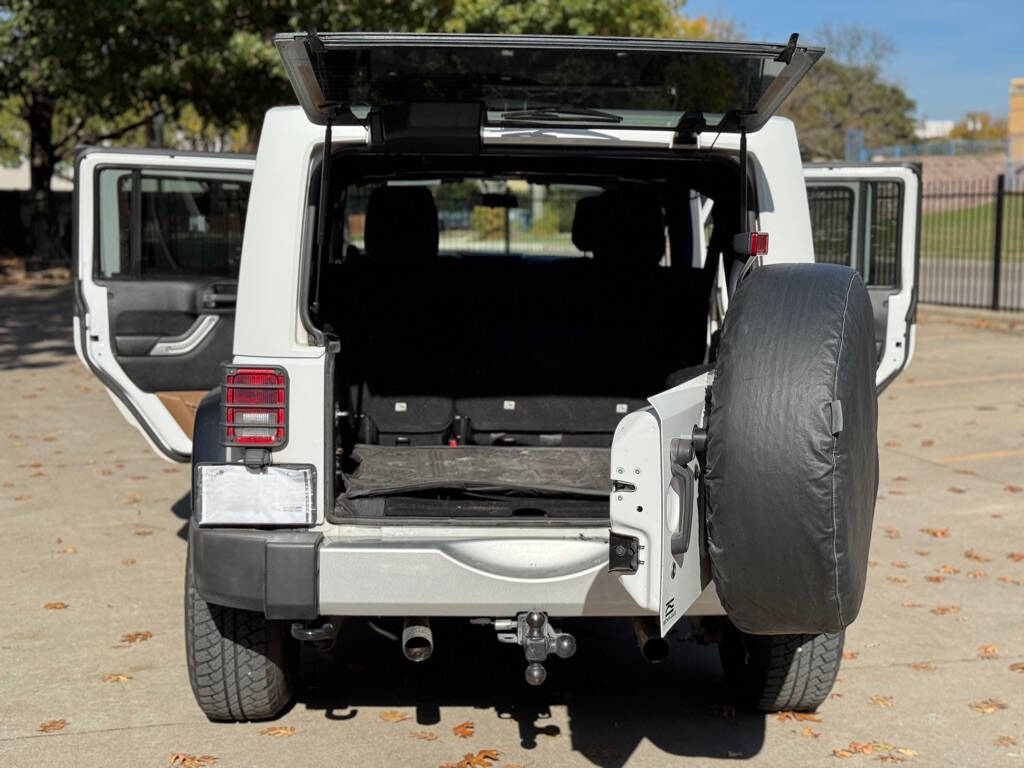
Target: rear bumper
x,y
303,574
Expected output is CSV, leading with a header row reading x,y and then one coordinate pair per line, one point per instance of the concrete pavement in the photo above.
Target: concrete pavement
x,y
94,521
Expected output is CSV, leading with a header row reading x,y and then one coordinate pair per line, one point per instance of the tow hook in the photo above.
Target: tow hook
x,y
538,639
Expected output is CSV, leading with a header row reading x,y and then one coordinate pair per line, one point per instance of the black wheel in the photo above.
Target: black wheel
x,y
241,666
775,673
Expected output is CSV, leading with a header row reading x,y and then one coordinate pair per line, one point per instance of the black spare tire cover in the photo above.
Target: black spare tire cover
x,y
792,454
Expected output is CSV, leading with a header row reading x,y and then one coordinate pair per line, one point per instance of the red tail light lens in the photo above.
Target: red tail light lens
x,y
254,405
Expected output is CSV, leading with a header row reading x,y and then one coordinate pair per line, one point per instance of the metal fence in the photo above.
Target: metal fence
x,y
972,243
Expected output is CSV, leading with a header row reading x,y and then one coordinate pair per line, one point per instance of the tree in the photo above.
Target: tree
x,y
845,91
202,71
980,125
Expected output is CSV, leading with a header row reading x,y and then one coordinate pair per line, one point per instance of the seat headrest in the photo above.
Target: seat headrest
x,y
401,224
586,221
621,227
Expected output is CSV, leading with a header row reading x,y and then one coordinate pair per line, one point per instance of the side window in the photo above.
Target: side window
x,y
858,224
832,210
165,224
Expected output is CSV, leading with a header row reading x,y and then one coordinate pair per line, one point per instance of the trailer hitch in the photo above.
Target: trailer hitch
x,y
538,638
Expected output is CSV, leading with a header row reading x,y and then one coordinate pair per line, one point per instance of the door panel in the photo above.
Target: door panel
x,y
654,501
867,217
158,244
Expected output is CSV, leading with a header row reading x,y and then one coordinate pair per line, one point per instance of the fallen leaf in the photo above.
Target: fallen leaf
x,y
393,716
988,652
808,731
23,497
898,563
279,730
171,470
1015,556
996,516
897,580
922,666
38,473
66,551
798,716
922,552
956,489
892,533
892,443
1006,741
977,557
481,759
900,479
965,472
976,574
182,760
131,498
935,579
1008,580
49,439
948,569
116,677
910,604
137,477
927,442
464,730
53,725
938,533
1017,666
57,605
850,655
987,706
127,563
105,472
143,532
872,563
424,735
1011,488
943,610
881,701
130,638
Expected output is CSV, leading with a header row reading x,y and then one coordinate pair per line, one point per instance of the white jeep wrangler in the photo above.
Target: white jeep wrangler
x,y
504,340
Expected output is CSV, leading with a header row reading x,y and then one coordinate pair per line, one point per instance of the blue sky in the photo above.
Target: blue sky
x,y
951,55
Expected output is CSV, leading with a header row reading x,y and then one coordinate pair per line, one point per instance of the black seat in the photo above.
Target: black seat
x,y
401,401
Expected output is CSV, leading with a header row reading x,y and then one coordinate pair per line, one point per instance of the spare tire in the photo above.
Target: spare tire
x,y
792,456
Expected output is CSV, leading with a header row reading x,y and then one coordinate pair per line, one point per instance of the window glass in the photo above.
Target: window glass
x,y
883,238
832,212
491,216
185,224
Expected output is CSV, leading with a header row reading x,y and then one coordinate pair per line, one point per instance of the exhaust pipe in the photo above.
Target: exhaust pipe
x,y
417,639
652,646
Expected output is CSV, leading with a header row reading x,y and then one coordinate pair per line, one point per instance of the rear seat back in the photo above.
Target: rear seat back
x,y
499,351
400,402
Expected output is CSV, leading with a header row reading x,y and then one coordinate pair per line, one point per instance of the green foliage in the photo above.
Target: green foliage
x,y
845,91
980,125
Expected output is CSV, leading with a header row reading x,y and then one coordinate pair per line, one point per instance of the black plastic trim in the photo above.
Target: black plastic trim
x,y
272,572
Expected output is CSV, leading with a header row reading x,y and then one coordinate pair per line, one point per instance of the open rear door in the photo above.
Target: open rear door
x,y
158,240
655,538
868,217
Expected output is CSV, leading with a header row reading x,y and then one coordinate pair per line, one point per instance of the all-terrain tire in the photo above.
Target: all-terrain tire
x,y
776,673
241,666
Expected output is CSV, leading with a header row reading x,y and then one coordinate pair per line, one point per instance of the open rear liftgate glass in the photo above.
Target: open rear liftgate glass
x,y
437,92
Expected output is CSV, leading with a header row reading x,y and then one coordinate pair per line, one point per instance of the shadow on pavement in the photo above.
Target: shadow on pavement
x,y
35,326
614,698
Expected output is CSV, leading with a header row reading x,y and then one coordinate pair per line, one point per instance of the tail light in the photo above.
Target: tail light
x,y
254,407
751,243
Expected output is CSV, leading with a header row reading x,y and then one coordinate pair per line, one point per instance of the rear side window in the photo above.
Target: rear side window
x,y
858,224
170,223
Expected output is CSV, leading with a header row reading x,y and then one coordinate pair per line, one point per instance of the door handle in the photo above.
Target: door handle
x,y
218,297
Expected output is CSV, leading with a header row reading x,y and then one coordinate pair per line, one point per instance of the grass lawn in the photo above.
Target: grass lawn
x,y
967,233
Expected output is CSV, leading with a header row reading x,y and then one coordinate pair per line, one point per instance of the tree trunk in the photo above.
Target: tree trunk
x,y
45,237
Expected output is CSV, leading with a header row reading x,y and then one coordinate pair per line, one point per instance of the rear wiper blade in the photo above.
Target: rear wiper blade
x,y
563,113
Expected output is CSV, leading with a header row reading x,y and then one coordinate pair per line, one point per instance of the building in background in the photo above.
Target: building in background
x,y
934,129
1015,129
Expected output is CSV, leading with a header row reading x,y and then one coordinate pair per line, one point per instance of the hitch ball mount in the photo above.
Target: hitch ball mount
x,y
538,638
